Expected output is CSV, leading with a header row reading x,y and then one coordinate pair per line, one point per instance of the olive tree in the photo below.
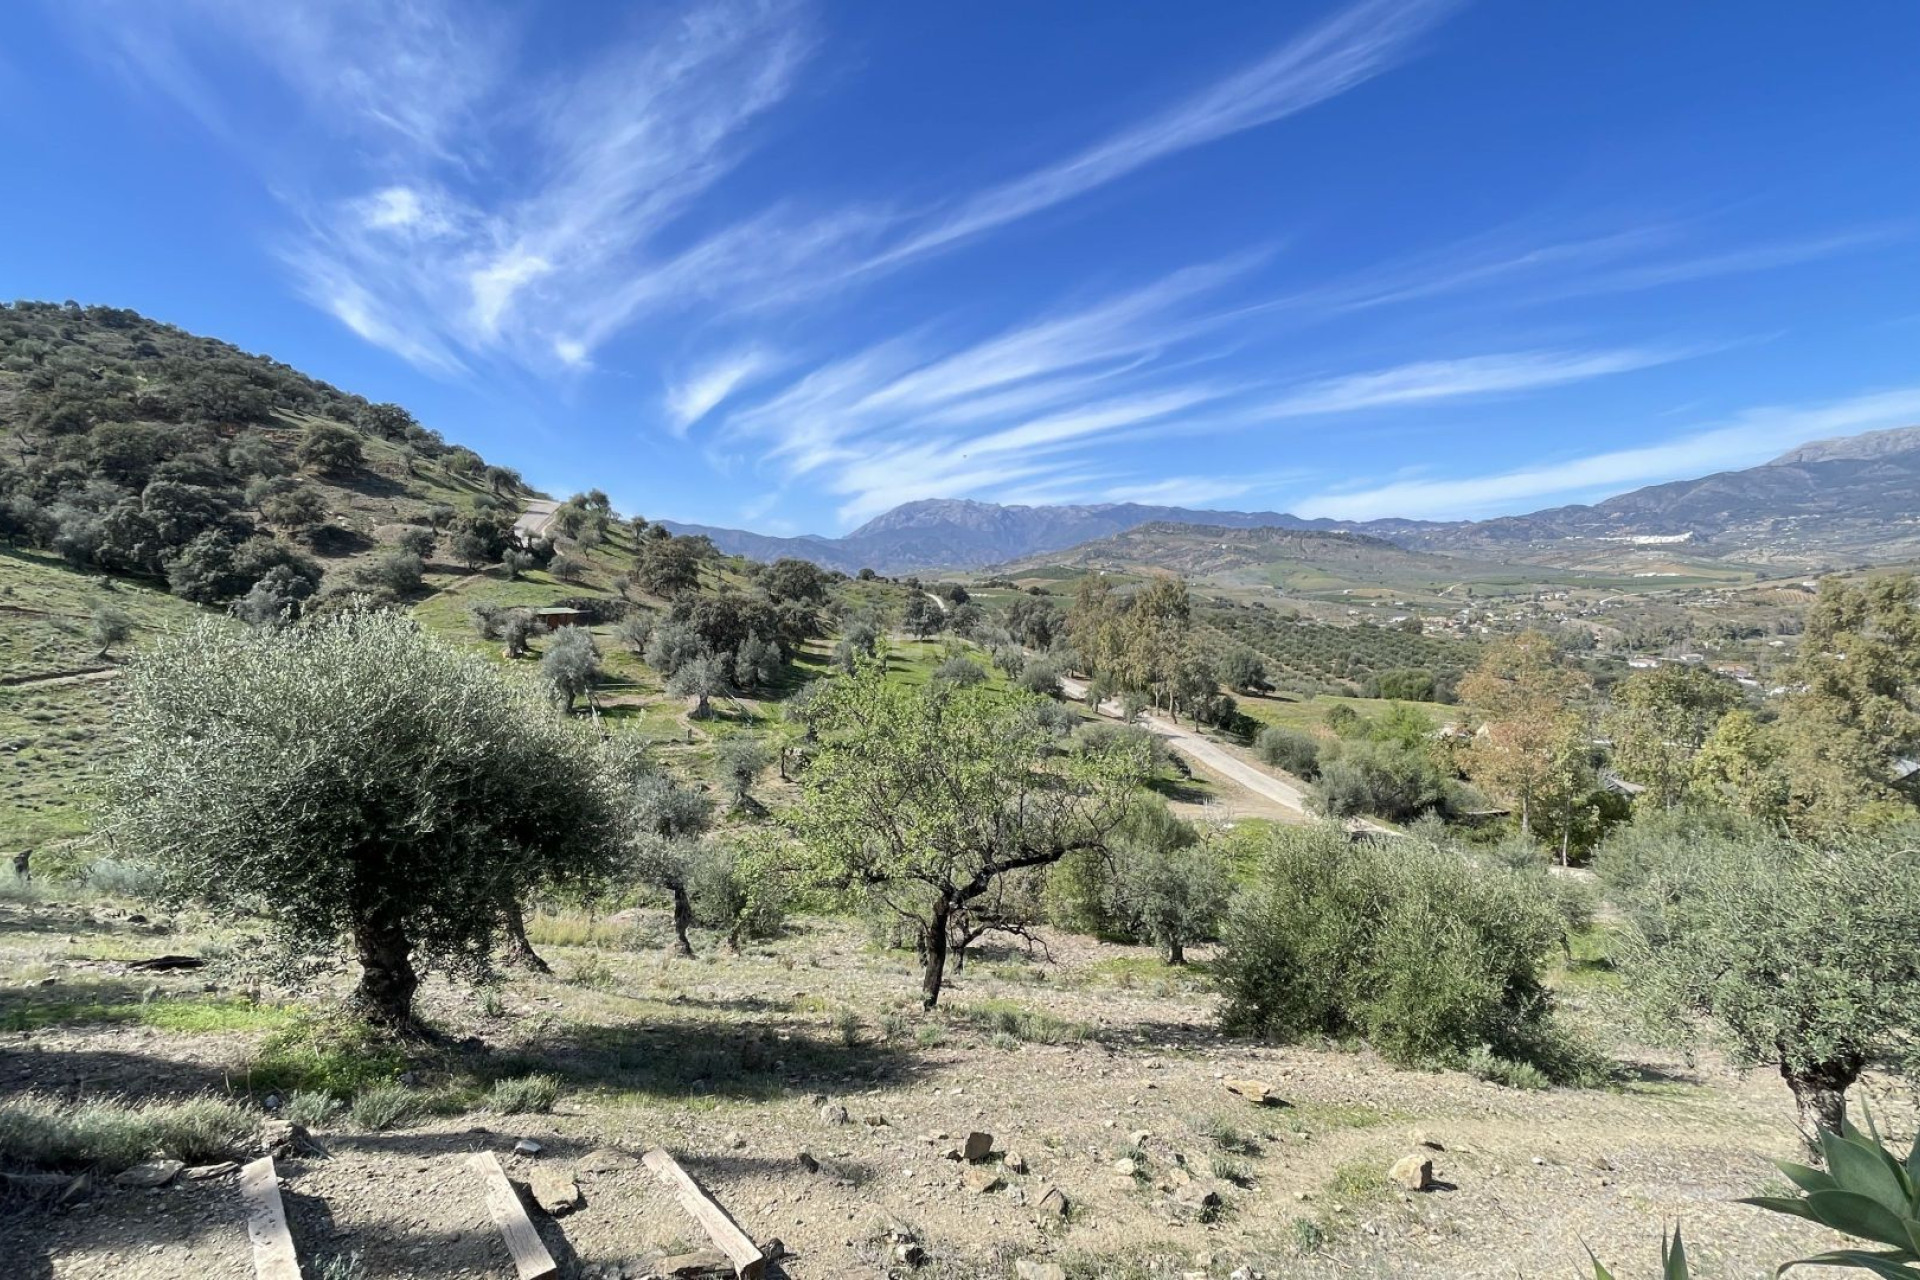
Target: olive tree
x,y
921,799
1169,885
1801,953
354,777
740,760
666,819
703,679
571,664
111,626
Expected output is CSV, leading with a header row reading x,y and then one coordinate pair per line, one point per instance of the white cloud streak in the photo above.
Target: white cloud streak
x,y
1752,437
708,386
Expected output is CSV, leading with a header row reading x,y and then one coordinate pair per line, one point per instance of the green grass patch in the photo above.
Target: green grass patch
x,y
187,1016
330,1054
1035,1026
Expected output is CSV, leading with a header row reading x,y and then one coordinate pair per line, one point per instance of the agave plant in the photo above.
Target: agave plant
x,y
1865,1192
1673,1260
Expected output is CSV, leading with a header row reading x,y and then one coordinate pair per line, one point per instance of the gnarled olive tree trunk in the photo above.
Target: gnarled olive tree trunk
x,y
519,949
387,979
1820,1092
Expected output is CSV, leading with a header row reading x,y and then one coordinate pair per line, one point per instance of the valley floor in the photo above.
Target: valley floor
x,y
728,1061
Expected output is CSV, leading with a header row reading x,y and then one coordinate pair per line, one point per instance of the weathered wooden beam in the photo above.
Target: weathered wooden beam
x,y
748,1262
530,1256
273,1255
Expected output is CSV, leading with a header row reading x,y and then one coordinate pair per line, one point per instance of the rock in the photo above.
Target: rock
x,y
807,1162
978,1147
699,1264
1255,1091
76,1192
1139,1137
1014,1162
606,1160
1412,1173
1028,1269
201,1172
875,1122
271,1102
554,1191
527,1147
910,1253
1054,1204
154,1173
1018,1195
1421,1138
774,1249
1195,1196
834,1113
1125,1167
980,1179
281,1138
734,1142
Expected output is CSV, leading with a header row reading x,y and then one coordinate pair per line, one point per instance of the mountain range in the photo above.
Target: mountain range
x,y
1828,504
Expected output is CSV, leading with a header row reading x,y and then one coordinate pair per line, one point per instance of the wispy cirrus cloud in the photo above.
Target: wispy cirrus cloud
x,y
707,386
1751,437
1038,407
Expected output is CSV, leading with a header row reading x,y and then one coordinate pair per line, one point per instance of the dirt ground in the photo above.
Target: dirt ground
x,y
737,1064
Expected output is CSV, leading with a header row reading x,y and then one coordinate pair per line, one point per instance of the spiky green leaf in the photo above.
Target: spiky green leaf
x,y
1858,1215
1889,1266
1788,1205
1863,1167
1807,1179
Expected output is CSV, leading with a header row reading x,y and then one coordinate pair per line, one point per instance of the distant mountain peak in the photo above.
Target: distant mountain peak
x,y
1869,444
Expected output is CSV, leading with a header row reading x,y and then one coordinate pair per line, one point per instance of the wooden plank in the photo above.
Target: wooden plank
x,y
748,1262
273,1255
530,1256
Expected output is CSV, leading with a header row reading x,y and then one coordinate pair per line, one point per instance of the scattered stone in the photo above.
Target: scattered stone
x,y
271,1102
1254,1091
978,1146
1125,1166
154,1173
554,1191
1054,1204
834,1113
1421,1138
283,1139
734,1141
875,1122
1028,1269
201,1172
1139,1137
774,1249
981,1179
606,1160
807,1162
1538,1160
910,1253
527,1147
1014,1162
698,1265
1412,1173
1196,1197
1018,1195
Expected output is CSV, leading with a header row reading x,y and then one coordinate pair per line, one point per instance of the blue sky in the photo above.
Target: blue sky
x,y
784,265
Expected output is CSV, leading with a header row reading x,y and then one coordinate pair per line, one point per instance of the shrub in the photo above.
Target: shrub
x,y
123,879
385,1106
110,1134
523,1094
1290,749
960,671
311,1107
1381,779
1425,954
1040,676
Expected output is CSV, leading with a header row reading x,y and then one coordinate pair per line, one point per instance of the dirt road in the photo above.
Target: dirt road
x,y
533,520
1215,757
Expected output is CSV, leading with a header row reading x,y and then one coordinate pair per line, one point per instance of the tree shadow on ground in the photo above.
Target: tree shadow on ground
x,y
91,1072
684,1058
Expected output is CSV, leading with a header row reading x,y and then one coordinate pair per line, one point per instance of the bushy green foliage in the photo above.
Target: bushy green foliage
x,y
571,663
523,1094
1383,779
385,1106
1799,953
1291,749
1412,946
353,776
1167,885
